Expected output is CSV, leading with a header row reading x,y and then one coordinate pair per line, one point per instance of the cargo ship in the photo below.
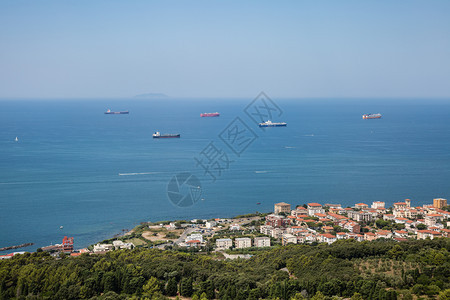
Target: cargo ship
x,y
158,135
216,114
371,116
272,124
109,112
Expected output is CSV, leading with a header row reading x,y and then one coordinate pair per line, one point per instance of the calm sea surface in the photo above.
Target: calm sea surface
x,y
65,169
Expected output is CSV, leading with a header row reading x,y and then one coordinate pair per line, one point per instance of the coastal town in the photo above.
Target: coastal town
x,y
317,223
307,223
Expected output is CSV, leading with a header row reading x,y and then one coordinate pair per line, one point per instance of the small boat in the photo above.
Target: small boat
x,y
158,135
215,114
61,227
258,203
16,139
371,116
272,124
110,112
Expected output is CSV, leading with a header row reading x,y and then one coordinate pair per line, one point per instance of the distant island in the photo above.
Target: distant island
x,y
151,96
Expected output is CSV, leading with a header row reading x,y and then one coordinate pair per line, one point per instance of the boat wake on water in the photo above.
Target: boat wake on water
x,y
143,173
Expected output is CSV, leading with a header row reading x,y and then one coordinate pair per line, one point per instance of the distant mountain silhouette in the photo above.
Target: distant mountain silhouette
x,y
151,96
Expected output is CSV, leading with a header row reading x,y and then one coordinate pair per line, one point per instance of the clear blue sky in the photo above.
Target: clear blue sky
x,y
225,48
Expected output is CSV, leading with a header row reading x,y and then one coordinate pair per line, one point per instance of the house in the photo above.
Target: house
x,y
358,237
277,233
327,238
262,241
388,217
266,229
400,220
423,234
369,236
282,207
193,243
361,206
235,227
210,224
401,233
436,217
277,221
327,229
336,217
333,206
122,245
320,215
243,243
378,205
102,248
288,238
383,234
445,232
224,243
300,210
193,237
341,235
352,226
314,208
360,216
400,206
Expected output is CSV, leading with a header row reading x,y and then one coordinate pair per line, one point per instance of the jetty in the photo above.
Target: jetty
x,y
16,247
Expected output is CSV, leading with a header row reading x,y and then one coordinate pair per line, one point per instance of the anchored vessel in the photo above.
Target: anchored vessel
x,y
216,114
109,112
371,116
272,124
158,135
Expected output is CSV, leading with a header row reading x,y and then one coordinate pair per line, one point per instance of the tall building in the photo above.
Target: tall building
x,y
378,204
408,202
439,203
282,208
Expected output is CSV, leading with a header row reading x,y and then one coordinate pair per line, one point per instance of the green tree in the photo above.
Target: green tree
x,y
172,287
297,296
318,296
444,295
151,287
186,288
421,226
357,296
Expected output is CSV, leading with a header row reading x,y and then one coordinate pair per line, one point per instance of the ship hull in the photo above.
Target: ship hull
x,y
210,115
273,125
117,113
366,117
167,136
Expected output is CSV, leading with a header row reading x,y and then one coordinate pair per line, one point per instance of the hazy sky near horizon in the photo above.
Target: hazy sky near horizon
x,y
104,48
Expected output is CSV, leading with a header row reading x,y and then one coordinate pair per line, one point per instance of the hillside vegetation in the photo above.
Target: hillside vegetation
x,y
381,269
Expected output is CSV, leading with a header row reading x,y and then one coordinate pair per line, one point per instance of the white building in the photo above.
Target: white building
x,y
210,224
122,245
378,204
224,243
243,243
314,208
262,241
194,237
102,247
235,227
288,238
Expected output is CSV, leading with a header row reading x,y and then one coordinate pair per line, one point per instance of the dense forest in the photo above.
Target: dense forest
x,y
381,269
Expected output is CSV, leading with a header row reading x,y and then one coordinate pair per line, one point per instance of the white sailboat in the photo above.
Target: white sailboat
x,y
16,139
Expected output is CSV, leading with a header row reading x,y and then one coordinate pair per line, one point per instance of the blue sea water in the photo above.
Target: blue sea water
x,y
65,169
